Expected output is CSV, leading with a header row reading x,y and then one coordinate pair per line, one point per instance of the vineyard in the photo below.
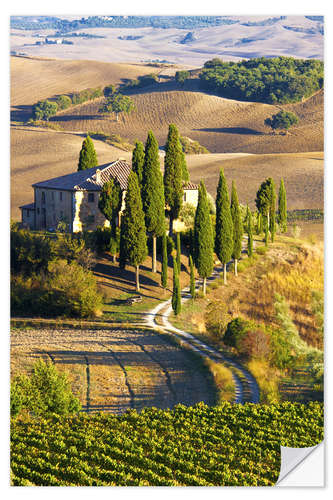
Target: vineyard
x,y
232,445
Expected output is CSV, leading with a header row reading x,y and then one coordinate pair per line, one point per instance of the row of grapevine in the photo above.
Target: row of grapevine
x,y
195,446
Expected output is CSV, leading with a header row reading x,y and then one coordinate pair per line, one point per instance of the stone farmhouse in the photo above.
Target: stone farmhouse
x,y
73,198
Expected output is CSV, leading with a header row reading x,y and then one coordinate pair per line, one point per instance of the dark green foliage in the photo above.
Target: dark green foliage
x,y
282,120
182,76
263,199
282,210
46,391
203,236
86,95
224,224
192,278
237,223
141,82
64,102
104,239
185,172
272,212
43,110
117,103
179,251
173,185
133,239
138,159
29,253
109,90
191,147
88,156
271,80
249,228
110,201
65,290
164,273
260,226
176,292
152,188
235,331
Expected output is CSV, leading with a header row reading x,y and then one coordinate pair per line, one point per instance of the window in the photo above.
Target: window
x,y
52,194
60,195
28,212
43,198
38,211
91,197
184,197
61,214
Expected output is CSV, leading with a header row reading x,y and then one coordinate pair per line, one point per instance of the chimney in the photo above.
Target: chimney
x,y
98,175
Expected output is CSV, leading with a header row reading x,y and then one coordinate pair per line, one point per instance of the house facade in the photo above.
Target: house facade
x,y
73,198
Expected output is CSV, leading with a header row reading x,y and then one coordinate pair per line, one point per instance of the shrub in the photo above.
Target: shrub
x,y
29,253
254,344
45,391
64,102
261,250
217,318
235,331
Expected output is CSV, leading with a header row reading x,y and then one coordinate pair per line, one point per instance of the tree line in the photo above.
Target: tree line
x,y
271,80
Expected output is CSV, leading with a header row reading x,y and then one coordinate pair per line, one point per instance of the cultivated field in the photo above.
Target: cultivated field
x,y
113,370
221,125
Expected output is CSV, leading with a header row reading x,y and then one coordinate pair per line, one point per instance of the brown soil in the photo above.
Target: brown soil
x,y
115,370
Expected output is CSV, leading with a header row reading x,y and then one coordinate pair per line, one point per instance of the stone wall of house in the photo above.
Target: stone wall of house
x,y
52,206
28,218
86,214
191,197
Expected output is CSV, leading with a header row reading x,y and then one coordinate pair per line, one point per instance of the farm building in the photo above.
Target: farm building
x,y
73,198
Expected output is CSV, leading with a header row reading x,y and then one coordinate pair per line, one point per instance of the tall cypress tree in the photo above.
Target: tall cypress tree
x,y
238,226
173,184
259,223
272,211
249,227
109,203
133,238
203,237
185,173
179,251
138,159
164,274
176,293
224,225
282,212
88,155
153,193
192,279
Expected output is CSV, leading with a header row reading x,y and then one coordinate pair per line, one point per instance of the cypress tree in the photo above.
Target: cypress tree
x,y
176,294
266,232
133,239
192,279
185,173
259,223
224,225
153,193
203,237
138,159
238,226
249,232
178,248
88,156
272,211
109,203
173,184
264,200
164,274
282,212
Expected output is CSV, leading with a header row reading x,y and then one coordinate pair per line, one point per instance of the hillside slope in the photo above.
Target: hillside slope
x,y
221,125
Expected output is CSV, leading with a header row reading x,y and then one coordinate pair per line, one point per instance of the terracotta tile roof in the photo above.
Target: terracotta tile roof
x,y
29,206
190,185
88,179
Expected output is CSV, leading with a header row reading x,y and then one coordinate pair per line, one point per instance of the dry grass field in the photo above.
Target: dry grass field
x,y
115,370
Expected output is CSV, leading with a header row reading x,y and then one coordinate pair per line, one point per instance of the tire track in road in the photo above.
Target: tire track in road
x,y
128,385
164,370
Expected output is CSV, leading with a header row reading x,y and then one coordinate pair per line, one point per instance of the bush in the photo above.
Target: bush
x,y
282,120
255,344
66,290
45,391
29,253
217,318
261,250
235,331
64,102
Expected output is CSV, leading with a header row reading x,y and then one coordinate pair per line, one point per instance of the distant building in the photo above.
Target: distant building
x,y
73,198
